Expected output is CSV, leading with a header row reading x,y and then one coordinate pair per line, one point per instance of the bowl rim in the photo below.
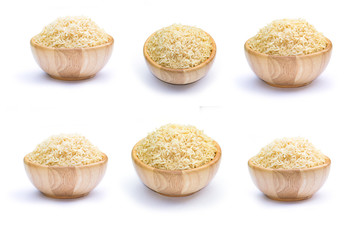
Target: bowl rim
x,y
326,49
137,161
253,166
180,70
104,160
34,44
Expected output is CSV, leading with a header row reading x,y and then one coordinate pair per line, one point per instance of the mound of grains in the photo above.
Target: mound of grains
x,y
176,147
65,150
72,32
289,153
179,46
288,37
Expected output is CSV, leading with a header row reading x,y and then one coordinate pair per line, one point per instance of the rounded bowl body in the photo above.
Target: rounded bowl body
x,y
176,183
289,184
288,71
65,181
72,63
179,76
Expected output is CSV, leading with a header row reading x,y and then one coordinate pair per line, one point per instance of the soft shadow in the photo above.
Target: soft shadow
x,y
156,84
36,197
27,196
318,197
145,196
322,83
256,85
264,199
40,77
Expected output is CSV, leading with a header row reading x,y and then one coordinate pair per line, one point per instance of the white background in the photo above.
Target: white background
x,y
124,102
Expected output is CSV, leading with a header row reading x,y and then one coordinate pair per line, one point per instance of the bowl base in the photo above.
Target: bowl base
x,y
65,197
173,195
288,199
176,83
72,78
287,86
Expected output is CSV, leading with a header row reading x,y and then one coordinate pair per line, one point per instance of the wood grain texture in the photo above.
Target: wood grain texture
x,y
289,185
72,63
177,183
179,76
65,182
288,71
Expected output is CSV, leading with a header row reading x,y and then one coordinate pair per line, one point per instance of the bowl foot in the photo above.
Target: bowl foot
x,y
71,78
288,199
177,83
173,195
287,86
65,197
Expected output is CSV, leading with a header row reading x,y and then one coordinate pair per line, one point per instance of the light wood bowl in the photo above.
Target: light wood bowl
x,y
176,183
180,76
65,182
72,63
289,184
288,71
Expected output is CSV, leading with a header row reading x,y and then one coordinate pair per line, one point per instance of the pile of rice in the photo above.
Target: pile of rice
x,y
289,153
176,147
65,150
72,32
179,46
288,37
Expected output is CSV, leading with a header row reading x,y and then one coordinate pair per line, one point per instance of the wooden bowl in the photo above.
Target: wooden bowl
x,y
72,63
288,71
289,184
176,183
65,182
183,75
